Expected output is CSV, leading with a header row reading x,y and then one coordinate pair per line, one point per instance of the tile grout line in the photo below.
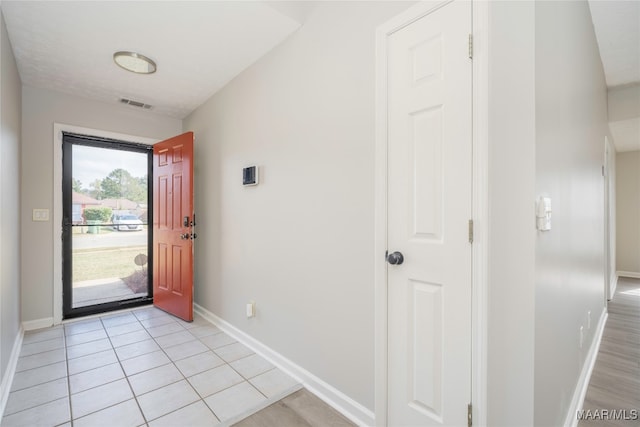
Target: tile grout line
x,y
144,417
136,319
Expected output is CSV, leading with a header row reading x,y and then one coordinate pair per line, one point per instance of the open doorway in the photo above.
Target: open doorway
x,y
107,203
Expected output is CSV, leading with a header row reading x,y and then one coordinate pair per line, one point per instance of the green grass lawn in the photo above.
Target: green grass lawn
x,y
104,263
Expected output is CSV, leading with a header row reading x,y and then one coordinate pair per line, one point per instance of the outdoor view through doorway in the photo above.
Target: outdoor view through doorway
x,y
106,237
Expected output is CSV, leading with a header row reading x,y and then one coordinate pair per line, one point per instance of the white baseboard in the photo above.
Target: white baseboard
x,y
631,274
7,379
333,397
580,392
31,325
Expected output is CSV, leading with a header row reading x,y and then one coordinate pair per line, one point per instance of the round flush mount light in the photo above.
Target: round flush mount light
x,y
134,62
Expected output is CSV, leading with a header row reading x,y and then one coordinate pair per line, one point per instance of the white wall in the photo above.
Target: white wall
x,y
41,109
300,244
571,125
511,272
628,212
10,116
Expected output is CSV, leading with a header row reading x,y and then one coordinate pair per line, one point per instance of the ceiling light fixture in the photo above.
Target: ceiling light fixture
x,y
134,62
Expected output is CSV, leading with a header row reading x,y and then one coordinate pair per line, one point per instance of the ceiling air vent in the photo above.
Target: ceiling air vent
x,y
136,103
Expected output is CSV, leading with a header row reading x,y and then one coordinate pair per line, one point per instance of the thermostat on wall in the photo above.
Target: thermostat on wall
x,y
250,176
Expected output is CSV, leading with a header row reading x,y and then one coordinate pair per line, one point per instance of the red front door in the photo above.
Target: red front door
x,y
173,221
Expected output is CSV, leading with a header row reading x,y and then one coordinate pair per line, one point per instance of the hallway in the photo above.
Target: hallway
x,y
615,381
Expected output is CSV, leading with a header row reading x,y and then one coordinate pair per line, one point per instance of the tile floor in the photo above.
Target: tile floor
x,y
139,368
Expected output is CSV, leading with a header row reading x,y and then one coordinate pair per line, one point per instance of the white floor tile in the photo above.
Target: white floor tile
x,y
251,366
87,348
232,352
82,327
118,319
126,328
273,382
95,377
134,337
184,350
197,322
92,361
42,335
40,359
41,346
125,414
234,401
214,380
36,376
49,414
157,321
169,328
148,313
217,340
145,362
195,415
174,339
136,349
204,331
100,397
199,363
167,399
37,395
155,378
86,337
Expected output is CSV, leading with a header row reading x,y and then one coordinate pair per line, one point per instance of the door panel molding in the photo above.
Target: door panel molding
x,y
58,129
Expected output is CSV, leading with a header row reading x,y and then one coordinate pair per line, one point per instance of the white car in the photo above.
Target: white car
x,y
127,223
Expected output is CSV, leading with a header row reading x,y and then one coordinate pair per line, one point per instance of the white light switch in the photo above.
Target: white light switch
x,y
251,309
543,214
41,215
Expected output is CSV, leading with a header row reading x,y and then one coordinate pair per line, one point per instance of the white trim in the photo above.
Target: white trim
x,y
333,397
580,391
614,285
58,128
480,211
32,325
9,373
480,26
630,274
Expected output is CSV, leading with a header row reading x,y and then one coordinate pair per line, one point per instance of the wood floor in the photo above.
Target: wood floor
x,y
615,381
300,409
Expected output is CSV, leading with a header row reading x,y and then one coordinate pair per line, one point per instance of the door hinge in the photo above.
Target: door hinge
x,y
469,415
470,46
470,231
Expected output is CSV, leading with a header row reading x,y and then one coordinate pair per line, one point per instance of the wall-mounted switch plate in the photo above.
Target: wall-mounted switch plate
x,y
40,215
251,309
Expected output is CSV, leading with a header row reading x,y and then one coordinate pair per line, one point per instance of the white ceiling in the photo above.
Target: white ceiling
x,y
617,27
199,46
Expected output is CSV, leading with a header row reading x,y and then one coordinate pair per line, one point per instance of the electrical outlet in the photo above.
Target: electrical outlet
x,y
581,336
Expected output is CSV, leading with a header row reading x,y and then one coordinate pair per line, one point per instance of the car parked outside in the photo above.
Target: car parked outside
x,y
127,223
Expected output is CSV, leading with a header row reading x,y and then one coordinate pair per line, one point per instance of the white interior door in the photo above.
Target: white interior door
x,y
429,206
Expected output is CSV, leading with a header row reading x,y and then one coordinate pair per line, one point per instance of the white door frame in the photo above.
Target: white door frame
x,y
58,128
480,103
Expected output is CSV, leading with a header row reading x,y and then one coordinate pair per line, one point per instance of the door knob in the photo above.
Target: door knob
x,y
395,258
184,236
